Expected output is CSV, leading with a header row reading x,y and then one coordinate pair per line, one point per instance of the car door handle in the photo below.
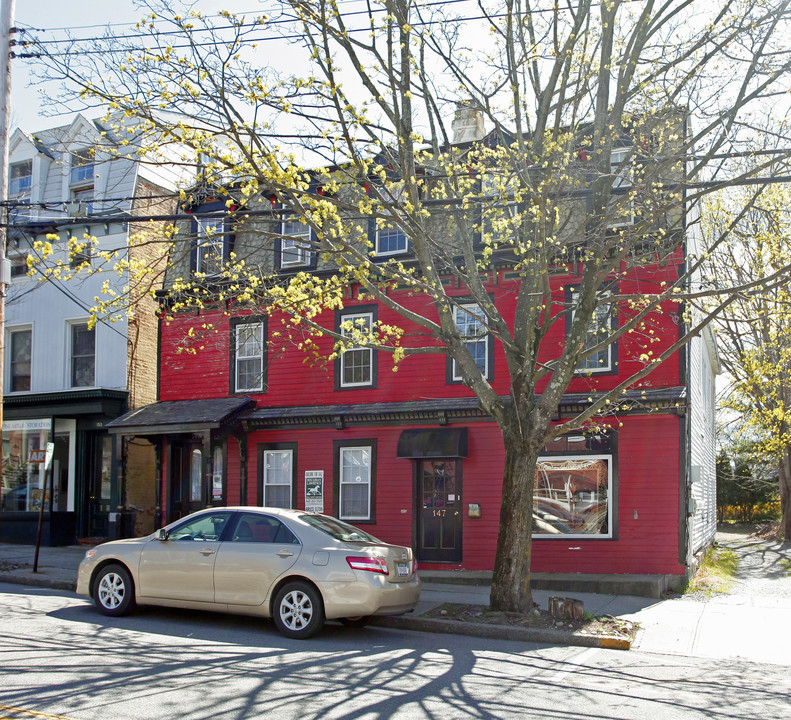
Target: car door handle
x,y
285,553
207,551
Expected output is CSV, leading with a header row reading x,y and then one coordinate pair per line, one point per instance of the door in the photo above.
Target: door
x,y
187,494
182,567
439,513
259,550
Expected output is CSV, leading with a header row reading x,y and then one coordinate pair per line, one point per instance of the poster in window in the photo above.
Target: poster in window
x,y
314,491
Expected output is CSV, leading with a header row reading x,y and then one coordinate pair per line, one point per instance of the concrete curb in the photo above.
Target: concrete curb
x,y
26,576
502,632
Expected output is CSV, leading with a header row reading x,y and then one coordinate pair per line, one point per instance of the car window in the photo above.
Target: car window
x,y
206,528
338,529
256,528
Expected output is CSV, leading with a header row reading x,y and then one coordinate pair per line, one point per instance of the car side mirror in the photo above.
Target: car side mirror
x,y
162,534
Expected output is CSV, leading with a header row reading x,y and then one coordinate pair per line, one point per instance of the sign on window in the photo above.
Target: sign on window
x,y
314,491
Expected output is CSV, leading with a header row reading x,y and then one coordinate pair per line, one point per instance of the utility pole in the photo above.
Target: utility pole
x,y
6,28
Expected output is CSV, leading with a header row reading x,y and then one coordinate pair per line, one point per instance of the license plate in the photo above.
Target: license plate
x,y
402,569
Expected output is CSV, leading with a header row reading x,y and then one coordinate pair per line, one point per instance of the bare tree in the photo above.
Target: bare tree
x,y
607,123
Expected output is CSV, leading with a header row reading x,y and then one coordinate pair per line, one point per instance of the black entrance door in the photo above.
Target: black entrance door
x,y
439,512
186,479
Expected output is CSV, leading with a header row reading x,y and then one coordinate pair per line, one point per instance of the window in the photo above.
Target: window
x,y
20,342
217,473
82,167
356,364
601,326
621,205
80,251
573,489
277,478
83,355
295,243
205,528
390,240
249,347
354,473
196,475
82,202
257,528
471,322
210,246
21,177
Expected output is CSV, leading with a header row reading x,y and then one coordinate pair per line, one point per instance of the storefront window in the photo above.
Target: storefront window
x,y
196,475
572,491
24,480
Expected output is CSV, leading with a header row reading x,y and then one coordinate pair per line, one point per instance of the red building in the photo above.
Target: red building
x,y
407,453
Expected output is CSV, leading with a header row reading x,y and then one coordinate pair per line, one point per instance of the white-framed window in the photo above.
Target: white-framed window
x,y
572,496
249,348
354,501
82,167
20,349
20,177
210,247
471,322
294,243
356,363
82,361
621,206
82,202
278,478
600,328
391,240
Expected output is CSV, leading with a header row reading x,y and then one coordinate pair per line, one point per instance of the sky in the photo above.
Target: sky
x,y
82,18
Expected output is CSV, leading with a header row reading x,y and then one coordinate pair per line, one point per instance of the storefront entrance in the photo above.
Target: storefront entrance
x,y
186,479
439,514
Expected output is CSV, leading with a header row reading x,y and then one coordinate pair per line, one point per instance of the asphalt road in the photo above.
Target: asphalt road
x,y
59,657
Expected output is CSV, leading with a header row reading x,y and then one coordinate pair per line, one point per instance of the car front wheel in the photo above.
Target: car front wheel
x,y
298,610
114,591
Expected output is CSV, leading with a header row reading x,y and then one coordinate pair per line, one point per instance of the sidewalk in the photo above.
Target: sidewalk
x,y
726,627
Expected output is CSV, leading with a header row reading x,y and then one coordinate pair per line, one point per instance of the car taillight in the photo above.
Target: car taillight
x,y
370,564
414,566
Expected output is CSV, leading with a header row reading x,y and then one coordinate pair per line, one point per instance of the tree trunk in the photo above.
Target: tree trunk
x,y
785,492
511,578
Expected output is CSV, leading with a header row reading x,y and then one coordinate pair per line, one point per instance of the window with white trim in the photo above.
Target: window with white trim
x,y
210,246
82,355
20,177
249,349
573,489
356,362
82,167
278,478
294,243
621,204
390,239
354,478
600,328
20,343
471,323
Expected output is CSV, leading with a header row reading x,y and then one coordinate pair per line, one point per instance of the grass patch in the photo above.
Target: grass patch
x,y
716,572
786,564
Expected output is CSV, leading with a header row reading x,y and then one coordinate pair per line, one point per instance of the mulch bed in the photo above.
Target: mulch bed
x,y
537,618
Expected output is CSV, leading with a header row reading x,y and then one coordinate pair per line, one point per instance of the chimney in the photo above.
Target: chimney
x,y
467,124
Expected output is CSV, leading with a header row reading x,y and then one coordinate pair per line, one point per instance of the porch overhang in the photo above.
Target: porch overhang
x,y
180,416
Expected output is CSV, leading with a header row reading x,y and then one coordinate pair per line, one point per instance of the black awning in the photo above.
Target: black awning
x,y
180,416
438,443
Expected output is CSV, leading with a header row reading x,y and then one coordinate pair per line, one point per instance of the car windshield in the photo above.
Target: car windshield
x,y
338,529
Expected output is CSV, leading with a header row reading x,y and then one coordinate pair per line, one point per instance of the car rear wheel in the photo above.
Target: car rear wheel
x,y
356,622
298,611
114,590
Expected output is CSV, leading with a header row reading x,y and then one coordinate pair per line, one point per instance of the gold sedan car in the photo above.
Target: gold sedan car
x,y
296,567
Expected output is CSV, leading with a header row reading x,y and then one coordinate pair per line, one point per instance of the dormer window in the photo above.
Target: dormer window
x,y
82,167
294,243
210,250
21,177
